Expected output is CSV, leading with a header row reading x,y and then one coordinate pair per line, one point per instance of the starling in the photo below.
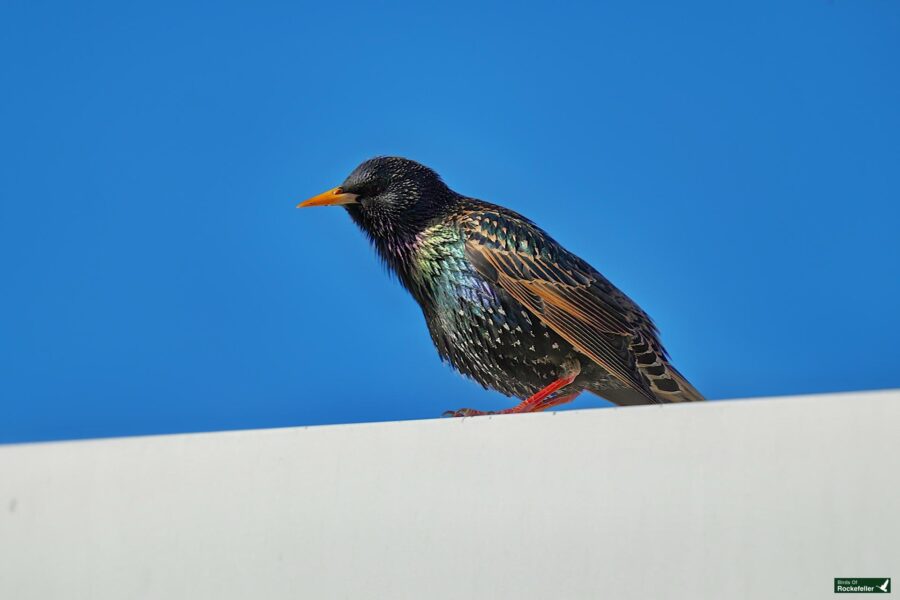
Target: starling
x,y
506,304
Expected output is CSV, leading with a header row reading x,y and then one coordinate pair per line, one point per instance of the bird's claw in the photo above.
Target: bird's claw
x,y
466,412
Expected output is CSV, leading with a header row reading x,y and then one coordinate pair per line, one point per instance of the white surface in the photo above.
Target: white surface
x,y
743,499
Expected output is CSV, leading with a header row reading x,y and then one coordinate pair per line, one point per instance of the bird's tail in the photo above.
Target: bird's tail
x,y
664,383
679,390
666,387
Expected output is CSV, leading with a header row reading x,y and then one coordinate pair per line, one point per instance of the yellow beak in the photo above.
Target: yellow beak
x,y
332,197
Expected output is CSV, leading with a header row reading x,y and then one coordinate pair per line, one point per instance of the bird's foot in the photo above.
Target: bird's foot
x,y
468,412
544,399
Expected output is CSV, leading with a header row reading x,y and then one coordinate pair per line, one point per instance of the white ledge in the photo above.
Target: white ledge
x,y
742,499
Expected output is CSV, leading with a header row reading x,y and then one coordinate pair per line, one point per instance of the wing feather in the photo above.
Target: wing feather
x,y
563,291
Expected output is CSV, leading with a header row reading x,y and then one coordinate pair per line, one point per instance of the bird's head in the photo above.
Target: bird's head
x,y
387,192
392,200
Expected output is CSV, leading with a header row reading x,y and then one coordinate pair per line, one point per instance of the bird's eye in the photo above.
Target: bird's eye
x,y
369,190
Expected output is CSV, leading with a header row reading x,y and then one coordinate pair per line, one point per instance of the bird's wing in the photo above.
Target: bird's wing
x,y
564,292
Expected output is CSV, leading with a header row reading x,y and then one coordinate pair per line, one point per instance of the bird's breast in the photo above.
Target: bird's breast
x,y
477,327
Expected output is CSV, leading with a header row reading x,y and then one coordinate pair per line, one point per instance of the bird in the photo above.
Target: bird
x,y
506,305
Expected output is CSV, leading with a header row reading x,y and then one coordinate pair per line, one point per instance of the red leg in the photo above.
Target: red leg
x,y
555,401
540,401
536,402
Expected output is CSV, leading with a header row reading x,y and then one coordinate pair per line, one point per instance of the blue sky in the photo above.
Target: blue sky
x,y
733,167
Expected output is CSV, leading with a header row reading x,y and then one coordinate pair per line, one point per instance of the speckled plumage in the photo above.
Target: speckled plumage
x,y
505,303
